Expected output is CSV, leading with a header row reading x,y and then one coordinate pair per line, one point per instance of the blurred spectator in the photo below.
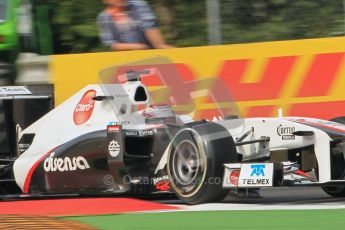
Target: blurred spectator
x,y
129,25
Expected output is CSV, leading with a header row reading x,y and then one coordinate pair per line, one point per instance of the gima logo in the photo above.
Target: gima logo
x,y
84,109
258,170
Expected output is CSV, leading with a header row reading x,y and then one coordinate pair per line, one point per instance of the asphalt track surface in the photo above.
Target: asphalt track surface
x,y
272,199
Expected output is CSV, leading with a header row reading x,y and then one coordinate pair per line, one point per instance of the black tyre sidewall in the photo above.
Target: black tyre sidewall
x,y
217,152
336,191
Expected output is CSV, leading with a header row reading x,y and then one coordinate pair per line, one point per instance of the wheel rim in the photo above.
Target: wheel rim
x,y
186,163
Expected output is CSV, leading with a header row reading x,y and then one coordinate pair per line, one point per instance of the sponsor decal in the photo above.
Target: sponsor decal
x,y
145,133
131,133
286,132
234,175
84,109
140,133
118,123
248,175
256,175
158,179
256,181
114,148
66,164
162,183
258,170
113,128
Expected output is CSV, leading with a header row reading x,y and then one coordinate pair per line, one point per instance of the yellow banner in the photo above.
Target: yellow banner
x,y
303,77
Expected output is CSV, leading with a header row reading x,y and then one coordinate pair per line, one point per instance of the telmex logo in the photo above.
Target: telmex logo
x,y
66,164
83,111
258,170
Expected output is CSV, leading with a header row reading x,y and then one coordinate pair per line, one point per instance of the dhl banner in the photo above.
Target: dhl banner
x,y
302,77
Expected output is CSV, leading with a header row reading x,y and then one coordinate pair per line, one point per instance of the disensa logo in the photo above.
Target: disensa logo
x,y
53,164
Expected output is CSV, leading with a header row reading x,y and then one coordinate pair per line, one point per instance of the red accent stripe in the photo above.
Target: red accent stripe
x,y
32,169
301,173
322,126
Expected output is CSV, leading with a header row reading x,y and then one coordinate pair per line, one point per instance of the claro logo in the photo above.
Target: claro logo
x,y
66,164
84,109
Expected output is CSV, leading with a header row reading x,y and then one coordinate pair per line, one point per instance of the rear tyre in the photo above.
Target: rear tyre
x,y
195,163
338,166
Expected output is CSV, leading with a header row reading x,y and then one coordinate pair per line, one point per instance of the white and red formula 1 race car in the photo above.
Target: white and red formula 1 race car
x,y
108,139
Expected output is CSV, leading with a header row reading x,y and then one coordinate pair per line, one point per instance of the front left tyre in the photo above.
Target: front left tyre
x,y
195,162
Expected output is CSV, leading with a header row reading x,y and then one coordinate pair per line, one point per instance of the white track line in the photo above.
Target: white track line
x,y
236,207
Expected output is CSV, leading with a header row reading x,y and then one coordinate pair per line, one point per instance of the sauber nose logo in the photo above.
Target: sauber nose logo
x,y
84,109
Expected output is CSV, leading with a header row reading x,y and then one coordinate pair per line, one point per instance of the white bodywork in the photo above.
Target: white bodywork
x,y
64,124
269,127
58,127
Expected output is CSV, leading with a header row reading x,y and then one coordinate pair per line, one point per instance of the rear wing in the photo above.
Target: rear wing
x,y
14,90
22,92
20,106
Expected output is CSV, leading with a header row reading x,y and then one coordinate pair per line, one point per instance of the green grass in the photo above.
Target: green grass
x,y
285,219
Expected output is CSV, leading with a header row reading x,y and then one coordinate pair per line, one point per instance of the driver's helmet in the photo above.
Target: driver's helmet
x,y
161,114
